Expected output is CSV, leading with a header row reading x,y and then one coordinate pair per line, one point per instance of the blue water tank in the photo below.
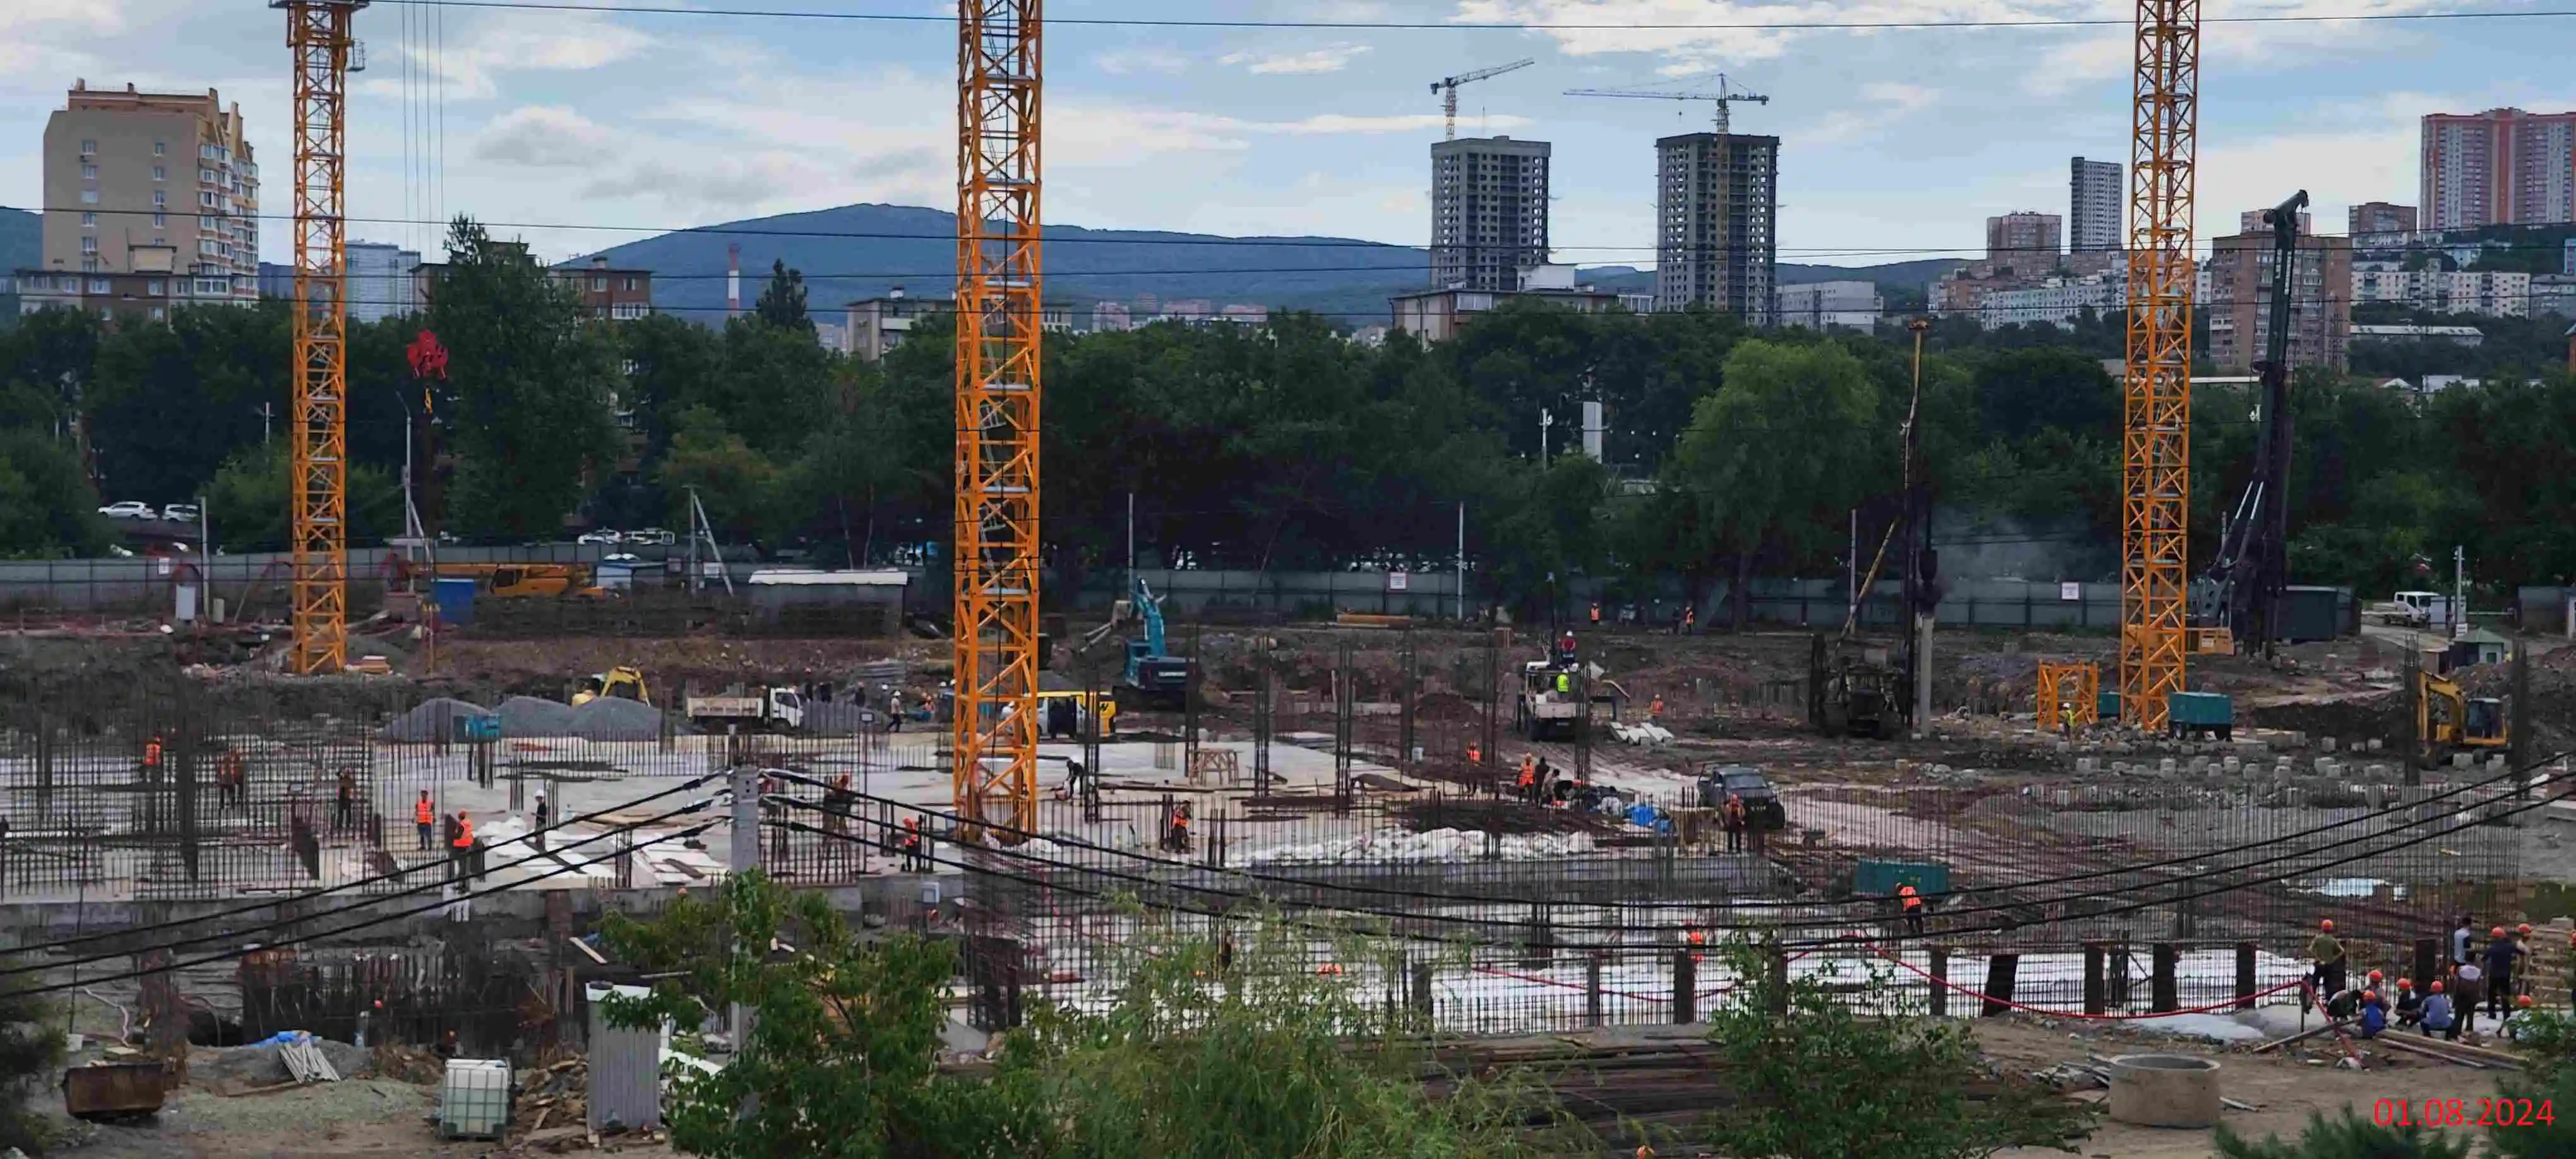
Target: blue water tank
x,y
455,596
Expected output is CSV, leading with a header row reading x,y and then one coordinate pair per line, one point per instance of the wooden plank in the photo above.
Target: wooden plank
x,y
2302,1036
2399,1041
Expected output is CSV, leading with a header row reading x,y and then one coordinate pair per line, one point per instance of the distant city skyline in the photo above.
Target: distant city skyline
x,y
648,122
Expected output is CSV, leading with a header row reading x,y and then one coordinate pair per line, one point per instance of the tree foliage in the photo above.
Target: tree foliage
x,y
2347,1136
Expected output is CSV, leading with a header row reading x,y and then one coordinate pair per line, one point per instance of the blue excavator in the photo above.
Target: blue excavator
x,y
1153,677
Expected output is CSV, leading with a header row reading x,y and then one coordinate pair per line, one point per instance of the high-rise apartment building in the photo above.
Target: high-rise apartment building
x,y
2379,217
2094,204
2025,242
2499,167
2240,300
1716,235
1488,212
161,185
381,281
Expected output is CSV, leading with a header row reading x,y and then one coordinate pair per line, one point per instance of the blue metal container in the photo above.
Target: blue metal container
x,y
1877,877
455,595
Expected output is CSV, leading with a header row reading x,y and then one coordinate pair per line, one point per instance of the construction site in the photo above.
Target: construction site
x,y
287,875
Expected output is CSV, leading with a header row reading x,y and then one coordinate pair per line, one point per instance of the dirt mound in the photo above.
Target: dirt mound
x,y
243,1067
432,720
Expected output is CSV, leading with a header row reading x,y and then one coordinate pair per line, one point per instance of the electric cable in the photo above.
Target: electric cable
x,y
297,899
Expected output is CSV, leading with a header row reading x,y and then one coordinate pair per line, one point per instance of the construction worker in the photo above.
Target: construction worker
x,y
1475,754
1910,900
230,778
422,815
2468,985
1730,817
1528,783
1655,709
2325,951
152,753
2501,954
1697,940
1565,682
344,798
2460,938
1596,613
913,860
2374,1016
1690,619
1180,828
2437,1017
461,849
543,813
2410,1005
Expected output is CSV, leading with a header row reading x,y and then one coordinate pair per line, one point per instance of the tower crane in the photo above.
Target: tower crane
x,y
2155,442
318,32
994,728
1447,87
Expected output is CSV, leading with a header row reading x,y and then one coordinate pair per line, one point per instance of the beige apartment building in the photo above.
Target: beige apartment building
x,y
151,199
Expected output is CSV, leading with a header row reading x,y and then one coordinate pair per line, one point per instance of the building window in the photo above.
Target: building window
x,y
599,285
89,265
160,221
89,172
160,148
160,174
159,314
89,219
89,245
89,148
98,285
630,284
206,175
160,198
89,197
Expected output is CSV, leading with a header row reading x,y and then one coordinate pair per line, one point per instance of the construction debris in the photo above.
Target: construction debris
x,y
557,1092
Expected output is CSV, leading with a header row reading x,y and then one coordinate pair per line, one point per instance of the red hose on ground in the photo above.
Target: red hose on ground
x,y
2005,1002
1567,985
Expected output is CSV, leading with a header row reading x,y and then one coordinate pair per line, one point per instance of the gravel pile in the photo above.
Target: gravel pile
x,y
432,720
527,716
262,1066
609,718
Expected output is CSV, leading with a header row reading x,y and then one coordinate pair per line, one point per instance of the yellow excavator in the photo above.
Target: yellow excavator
x,y
621,682
2449,720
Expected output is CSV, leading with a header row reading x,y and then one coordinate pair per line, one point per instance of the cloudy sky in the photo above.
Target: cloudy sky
x,y
1896,143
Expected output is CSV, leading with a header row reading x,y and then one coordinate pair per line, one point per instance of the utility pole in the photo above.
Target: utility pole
x,y
1462,562
1919,563
1545,420
2459,591
744,858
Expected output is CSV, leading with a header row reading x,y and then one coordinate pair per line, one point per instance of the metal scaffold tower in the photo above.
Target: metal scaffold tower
x,y
2155,461
994,734
318,31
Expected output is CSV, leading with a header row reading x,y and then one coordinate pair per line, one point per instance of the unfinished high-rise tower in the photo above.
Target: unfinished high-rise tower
x,y
1715,234
1488,212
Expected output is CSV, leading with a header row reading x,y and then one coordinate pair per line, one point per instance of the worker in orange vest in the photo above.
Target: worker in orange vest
x,y
423,815
1179,835
1475,753
1596,613
1911,901
462,849
1655,710
152,752
1697,939
1529,778
911,844
1730,817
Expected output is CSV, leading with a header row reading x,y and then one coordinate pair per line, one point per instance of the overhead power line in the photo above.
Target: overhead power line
x,y
1491,25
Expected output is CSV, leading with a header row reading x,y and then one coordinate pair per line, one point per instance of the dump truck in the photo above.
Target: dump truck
x,y
778,709
1556,693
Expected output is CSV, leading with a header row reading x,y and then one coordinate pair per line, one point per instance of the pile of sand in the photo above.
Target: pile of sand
x,y
432,720
609,718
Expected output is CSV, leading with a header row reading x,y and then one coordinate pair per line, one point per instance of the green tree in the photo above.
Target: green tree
x,y
172,401
47,507
842,1061
1817,1078
249,505
782,303
1779,455
737,484
31,1050
526,406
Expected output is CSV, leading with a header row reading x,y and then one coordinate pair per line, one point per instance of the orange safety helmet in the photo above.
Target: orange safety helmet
x,y
2522,1003
2370,995
2437,985
2497,932
2327,925
2409,983
2376,975
2523,929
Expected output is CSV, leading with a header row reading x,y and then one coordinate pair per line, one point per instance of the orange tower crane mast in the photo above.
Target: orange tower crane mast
x,y
994,741
2155,462
318,32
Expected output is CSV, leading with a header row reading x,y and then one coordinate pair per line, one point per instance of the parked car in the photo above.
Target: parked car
x,y
1718,781
180,513
652,535
129,509
600,537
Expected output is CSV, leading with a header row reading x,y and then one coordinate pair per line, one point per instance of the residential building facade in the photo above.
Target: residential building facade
x,y
136,180
1110,318
2497,293
2499,167
2240,296
381,285
1439,315
2095,205
2055,302
127,296
613,294
1816,305
2377,219
878,325
2025,242
1716,227
1488,211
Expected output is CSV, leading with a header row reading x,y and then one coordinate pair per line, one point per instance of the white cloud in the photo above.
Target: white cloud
x,y
1150,58
1330,58
1905,97
547,136
472,59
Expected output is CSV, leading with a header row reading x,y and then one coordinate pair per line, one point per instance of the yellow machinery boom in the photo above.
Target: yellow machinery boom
x,y
2070,695
2155,460
995,726
318,31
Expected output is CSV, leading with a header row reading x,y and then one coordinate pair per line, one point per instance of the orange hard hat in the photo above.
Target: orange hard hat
x,y
2376,975
2370,995
2523,1002
2524,928
2437,985
2409,983
2497,932
2327,925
